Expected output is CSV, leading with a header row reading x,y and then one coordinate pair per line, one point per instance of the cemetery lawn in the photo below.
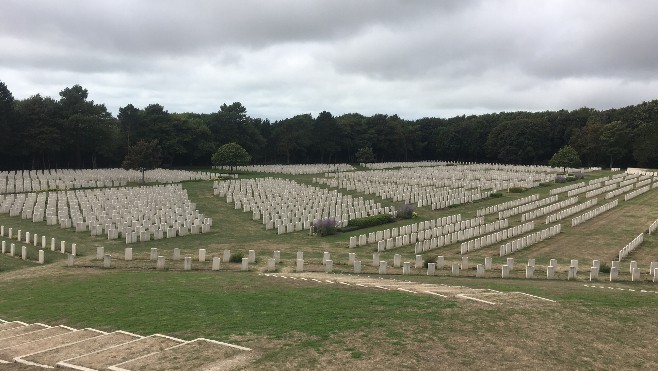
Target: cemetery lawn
x,y
300,325
291,324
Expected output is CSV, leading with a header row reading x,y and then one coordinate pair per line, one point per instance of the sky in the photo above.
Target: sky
x,y
281,58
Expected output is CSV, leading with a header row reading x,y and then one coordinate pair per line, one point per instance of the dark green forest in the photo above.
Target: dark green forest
x,y
71,131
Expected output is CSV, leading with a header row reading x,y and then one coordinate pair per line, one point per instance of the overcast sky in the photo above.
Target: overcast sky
x,y
280,58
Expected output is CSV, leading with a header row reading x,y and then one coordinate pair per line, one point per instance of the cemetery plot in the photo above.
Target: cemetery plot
x,y
12,351
291,169
89,349
437,187
65,179
199,354
136,214
440,291
105,358
288,206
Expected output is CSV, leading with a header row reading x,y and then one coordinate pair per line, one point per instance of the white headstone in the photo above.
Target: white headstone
x,y
455,269
505,271
227,255
300,265
382,267
100,252
357,266
107,261
160,265
128,254
202,255
431,267
479,272
406,268
216,261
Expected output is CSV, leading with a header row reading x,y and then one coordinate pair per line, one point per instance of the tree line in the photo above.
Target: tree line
x,y
74,132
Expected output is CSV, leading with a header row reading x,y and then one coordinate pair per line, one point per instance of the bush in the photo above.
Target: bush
x,y
560,179
236,258
325,227
371,221
579,175
517,189
604,268
496,194
406,211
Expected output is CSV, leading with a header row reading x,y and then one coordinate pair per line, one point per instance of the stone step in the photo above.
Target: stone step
x,y
199,354
19,340
102,359
48,358
20,330
17,353
10,325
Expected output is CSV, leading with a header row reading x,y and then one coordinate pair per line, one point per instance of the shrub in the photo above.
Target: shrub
x,y
236,258
579,175
406,211
325,227
496,194
560,179
371,221
517,189
604,268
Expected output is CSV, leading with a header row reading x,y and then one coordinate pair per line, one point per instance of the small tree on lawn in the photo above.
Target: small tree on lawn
x,y
365,155
142,156
565,157
231,154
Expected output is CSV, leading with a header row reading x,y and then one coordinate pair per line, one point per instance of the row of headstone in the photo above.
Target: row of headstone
x,y
288,206
64,179
631,246
116,212
584,189
637,192
382,265
567,188
571,210
290,169
506,205
593,213
11,249
36,240
548,209
453,184
653,227
526,207
529,240
617,192
409,234
601,190
496,237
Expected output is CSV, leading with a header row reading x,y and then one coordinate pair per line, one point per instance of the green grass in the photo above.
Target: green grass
x,y
212,305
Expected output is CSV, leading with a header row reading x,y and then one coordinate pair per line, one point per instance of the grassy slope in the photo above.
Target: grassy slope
x,y
324,326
